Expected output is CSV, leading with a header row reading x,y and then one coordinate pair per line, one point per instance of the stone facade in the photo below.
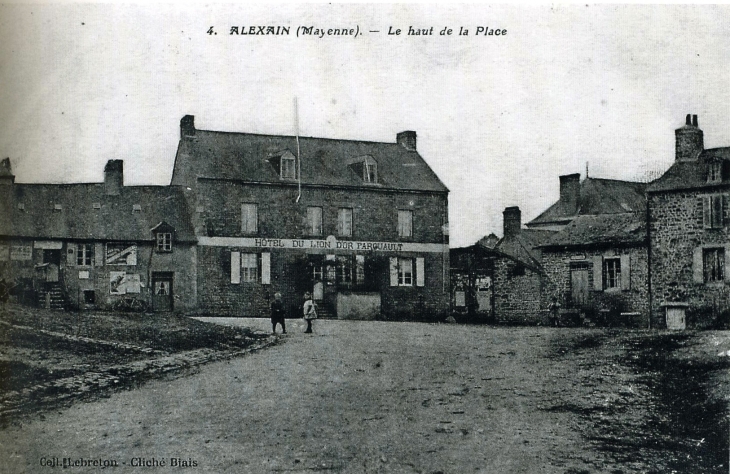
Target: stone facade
x,y
516,293
601,305
678,236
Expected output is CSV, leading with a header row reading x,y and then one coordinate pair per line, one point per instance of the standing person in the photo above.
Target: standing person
x,y
277,314
554,308
310,311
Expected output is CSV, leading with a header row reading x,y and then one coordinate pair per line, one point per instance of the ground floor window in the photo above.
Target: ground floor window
x,y
714,264
611,273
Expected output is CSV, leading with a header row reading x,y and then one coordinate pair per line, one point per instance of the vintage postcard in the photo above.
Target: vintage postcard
x,y
372,238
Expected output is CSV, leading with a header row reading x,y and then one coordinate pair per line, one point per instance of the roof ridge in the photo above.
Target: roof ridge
x,y
293,137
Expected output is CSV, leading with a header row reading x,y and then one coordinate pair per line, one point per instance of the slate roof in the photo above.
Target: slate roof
x,y
77,219
603,229
244,157
598,196
691,174
523,247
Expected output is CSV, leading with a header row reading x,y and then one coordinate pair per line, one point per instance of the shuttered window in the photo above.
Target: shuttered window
x,y
712,211
249,218
314,220
401,271
611,272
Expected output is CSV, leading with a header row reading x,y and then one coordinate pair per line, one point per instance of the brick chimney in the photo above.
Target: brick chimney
x,y
689,140
512,222
570,193
187,126
113,177
407,140
6,172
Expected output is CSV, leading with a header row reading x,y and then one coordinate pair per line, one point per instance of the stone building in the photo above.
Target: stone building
x,y
94,244
688,227
518,272
361,225
595,260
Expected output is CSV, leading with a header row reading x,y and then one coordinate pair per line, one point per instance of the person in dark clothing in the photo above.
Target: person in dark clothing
x,y
277,314
310,311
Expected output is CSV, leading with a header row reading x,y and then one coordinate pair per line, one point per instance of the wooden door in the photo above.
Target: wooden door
x,y
579,286
162,292
675,318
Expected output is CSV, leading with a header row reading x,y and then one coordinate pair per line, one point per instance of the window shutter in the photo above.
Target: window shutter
x,y
420,275
697,266
393,271
727,263
717,208
70,255
625,272
598,273
266,268
706,212
236,267
99,254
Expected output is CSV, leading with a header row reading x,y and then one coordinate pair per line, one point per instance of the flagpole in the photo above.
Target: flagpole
x,y
299,163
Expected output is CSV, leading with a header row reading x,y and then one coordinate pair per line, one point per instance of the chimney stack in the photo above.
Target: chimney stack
x,y
113,177
187,126
407,140
6,172
512,223
570,193
689,140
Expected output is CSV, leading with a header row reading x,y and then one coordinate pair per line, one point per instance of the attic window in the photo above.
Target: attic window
x,y
366,168
136,208
57,207
714,172
96,205
285,165
21,206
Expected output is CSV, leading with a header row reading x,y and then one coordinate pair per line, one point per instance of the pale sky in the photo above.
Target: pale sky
x,y
498,118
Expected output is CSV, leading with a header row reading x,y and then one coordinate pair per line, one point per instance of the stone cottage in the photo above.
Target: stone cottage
x,y
97,244
595,264
689,234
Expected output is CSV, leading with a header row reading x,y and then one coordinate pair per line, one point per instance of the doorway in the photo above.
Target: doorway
x,y
579,284
162,291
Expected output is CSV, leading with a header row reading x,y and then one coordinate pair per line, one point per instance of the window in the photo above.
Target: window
x,y
611,273
344,222
21,206
96,205
57,207
714,172
84,254
314,220
164,242
366,168
405,223
249,218
249,267
344,270
370,171
89,297
713,261
360,269
288,166
405,272
136,208
712,211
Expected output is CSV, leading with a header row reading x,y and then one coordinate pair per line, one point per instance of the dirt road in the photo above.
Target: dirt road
x,y
406,397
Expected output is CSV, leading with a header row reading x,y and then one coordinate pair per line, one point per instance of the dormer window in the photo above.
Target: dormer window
x,y
366,168
136,208
96,205
57,207
21,206
285,165
163,234
164,241
714,172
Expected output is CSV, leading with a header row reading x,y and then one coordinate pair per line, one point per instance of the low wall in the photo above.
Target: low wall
x,y
358,305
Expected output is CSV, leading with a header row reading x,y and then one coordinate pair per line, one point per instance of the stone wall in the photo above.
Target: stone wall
x,y
634,299
516,293
676,232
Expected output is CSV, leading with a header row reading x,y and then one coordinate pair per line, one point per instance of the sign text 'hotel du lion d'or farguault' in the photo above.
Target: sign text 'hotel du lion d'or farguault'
x,y
330,243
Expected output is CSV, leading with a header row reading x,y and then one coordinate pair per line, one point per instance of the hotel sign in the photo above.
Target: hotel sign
x,y
330,243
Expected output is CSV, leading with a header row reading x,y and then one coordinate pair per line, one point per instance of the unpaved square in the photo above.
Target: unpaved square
x,y
408,397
